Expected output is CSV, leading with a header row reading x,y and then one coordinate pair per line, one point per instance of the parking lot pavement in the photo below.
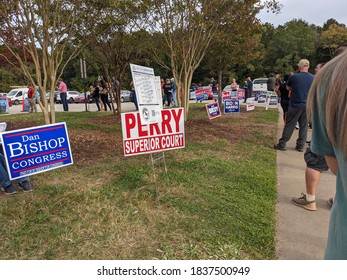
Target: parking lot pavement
x,y
73,107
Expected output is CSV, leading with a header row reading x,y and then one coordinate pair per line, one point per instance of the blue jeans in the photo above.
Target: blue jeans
x,y
174,98
135,100
97,102
63,97
4,178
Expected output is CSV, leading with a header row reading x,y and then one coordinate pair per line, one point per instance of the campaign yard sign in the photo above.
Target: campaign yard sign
x,y
231,106
37,149
250,104
140,138
4,106
213,110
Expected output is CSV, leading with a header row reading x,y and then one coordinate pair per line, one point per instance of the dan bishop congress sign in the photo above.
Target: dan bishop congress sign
x,y
139,138
36,149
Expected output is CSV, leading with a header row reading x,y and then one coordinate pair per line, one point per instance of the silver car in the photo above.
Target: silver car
x,y
71,95
125,95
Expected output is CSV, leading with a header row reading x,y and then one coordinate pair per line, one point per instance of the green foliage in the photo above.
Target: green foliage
x,y
291,42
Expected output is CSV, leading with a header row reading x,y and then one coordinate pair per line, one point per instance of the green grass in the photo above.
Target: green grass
x,y
217,200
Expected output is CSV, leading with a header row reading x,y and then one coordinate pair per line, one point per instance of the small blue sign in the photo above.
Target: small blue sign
x,y
36,149
231,106
200,97
213,110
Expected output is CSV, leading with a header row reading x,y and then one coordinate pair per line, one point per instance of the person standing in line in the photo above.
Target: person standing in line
x,y
315,165
96,94
283,93
271,82
63,94
234,85
167,88
104,95
327,108
299,85
6,185
248,91
133,95
174,92
31,98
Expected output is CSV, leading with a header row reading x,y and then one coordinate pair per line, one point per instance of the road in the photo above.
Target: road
x,y
73,107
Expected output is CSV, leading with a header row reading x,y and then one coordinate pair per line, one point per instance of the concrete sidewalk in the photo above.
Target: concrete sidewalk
x,y
301,234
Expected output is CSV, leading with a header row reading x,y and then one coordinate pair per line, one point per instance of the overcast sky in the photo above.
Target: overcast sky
x,y
312,11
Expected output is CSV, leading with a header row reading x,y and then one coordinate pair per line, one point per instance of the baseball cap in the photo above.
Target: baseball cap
x,y
304,63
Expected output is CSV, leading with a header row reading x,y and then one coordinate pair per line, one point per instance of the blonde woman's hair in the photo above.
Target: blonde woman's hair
x,y
329,89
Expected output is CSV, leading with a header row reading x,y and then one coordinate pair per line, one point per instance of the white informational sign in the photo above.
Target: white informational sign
x,y
159,90
139,138
3,126
250,104
146,93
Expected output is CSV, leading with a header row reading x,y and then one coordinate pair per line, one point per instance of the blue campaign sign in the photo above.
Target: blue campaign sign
x,y
213,110
231,106
36,149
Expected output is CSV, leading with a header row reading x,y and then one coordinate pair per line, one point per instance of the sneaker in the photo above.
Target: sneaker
x,y
10,190
297,127
25,186
302,202
331,201
278,147
299,149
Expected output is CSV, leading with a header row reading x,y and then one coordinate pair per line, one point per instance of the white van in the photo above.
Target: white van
x,y
259,84
17,95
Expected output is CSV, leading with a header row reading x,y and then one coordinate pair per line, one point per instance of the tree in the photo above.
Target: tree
x,y
234,44
124,42
291,42
333,37
188,27
37,33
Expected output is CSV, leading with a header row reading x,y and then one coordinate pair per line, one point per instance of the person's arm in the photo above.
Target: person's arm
x,y
332,163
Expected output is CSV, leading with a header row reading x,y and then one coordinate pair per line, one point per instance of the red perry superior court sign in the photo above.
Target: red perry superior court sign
x,y
141,138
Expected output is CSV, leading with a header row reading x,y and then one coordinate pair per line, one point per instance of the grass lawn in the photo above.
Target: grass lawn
x,y
217,200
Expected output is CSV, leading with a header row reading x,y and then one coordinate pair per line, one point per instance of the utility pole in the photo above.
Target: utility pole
x,y
84,78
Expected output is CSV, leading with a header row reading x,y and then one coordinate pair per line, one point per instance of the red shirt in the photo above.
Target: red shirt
x,y
30,93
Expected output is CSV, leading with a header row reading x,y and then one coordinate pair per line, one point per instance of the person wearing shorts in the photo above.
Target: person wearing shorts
x,y
315,165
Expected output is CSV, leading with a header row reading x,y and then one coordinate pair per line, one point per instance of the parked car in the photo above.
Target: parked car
x,y
17,95
56,94
71,95
205,91
125,95
82,98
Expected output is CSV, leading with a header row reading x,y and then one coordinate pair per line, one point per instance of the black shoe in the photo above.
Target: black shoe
x,y
299,149
10,190
25,186
278,147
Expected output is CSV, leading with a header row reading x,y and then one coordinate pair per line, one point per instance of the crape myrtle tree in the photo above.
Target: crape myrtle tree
x,y
188,27
236,42
37,33
123,42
